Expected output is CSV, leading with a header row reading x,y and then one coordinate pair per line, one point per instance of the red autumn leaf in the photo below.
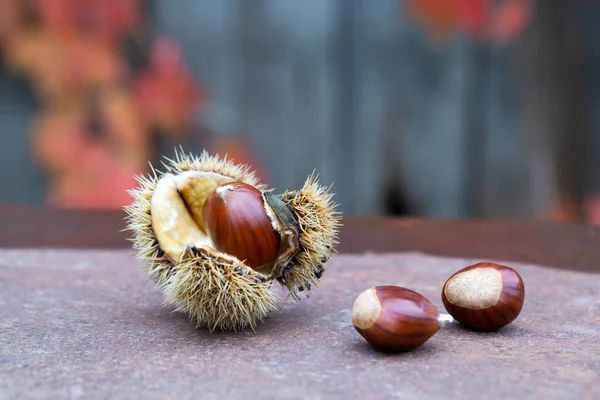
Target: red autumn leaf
x,y
94,62
166,91
474,16
57,15
60,142
101,182
9,20
591,207
124,126
109,18
510,20
86,171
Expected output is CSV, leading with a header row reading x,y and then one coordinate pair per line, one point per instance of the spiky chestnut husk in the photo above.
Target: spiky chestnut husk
x,y
216,289
313,209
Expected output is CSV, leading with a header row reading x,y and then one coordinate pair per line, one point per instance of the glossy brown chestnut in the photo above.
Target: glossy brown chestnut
x,y
236,220
393,318
484,296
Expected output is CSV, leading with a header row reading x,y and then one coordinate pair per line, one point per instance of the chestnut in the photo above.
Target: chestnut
x,y
392,318
236,220
484,296
215,239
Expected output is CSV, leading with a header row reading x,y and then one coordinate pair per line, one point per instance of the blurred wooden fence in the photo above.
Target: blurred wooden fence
x,y
354,90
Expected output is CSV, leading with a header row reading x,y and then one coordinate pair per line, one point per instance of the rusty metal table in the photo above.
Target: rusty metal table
x,y
78,319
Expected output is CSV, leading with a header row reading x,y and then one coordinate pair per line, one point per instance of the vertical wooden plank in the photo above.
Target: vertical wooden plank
x,y
289,90
372,28
504,185
208,33
21,180
586,16
551,89
430,89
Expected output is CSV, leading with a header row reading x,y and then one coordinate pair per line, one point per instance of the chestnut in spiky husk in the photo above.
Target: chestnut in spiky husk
x,y
215,239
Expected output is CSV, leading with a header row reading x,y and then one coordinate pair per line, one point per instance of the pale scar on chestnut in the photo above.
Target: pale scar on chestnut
x,y
366,310
475,289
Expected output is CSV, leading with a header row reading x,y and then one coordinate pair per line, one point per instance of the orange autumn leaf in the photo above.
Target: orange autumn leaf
x,y
86,171
101,181
473,16
502,20
566,210
440,16
31,51
107,18
64,64
125,129
59,141
44,57
94,62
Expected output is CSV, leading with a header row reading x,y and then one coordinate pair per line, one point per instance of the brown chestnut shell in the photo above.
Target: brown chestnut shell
x,y
484,296
393,318
237,222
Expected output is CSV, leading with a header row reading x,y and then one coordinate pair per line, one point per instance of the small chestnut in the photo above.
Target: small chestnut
x,y
238,224
484,296
392,318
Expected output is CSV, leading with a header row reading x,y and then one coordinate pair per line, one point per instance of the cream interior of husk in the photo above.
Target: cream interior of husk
x,y
176,210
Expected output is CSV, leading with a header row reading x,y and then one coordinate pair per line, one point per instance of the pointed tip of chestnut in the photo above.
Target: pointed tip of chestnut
x,y
238,224
392,318
484,296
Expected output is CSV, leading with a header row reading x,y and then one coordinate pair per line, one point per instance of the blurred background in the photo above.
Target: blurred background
x,y
432,108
